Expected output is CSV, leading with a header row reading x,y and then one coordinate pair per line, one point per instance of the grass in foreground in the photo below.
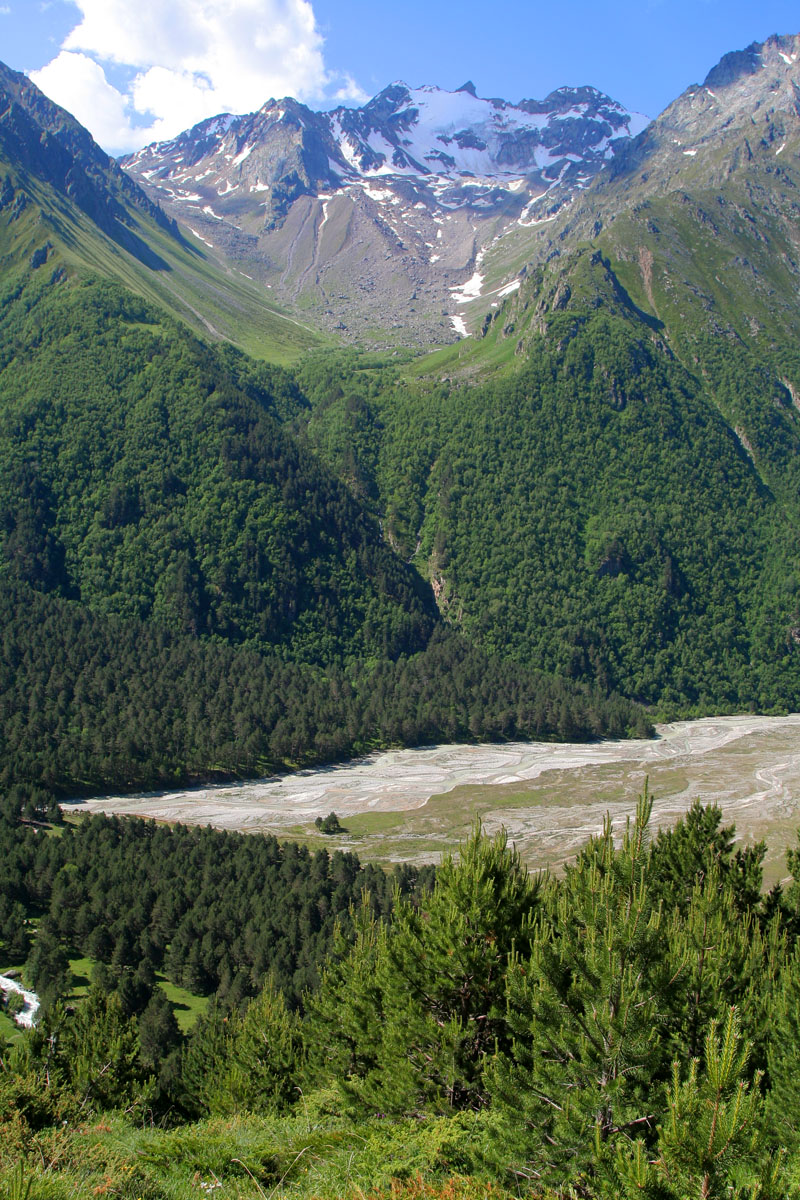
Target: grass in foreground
x,y
247,1158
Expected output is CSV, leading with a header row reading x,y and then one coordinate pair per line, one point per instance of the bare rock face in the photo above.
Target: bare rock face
x,y
407,220
374,222
747,103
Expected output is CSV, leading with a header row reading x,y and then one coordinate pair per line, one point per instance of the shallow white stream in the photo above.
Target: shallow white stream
x,y
27,1016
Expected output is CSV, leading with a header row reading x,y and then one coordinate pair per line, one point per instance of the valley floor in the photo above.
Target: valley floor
x,y
411,805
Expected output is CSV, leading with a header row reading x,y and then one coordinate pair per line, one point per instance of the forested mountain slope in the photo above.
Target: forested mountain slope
x,y
90,703
607,480
187,590
590,511
137,477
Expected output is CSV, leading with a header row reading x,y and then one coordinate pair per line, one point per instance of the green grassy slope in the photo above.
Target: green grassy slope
x,y
183,278
62,198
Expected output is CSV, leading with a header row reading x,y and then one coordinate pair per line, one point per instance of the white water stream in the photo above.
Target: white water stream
x,y
27,1015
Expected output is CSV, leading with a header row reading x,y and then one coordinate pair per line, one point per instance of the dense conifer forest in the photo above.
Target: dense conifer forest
x,y
138,478
626,1028
216,912
91,702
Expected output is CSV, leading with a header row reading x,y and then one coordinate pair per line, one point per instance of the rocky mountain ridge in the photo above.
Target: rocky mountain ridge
x,y
743,119
398,198
45,141
708,189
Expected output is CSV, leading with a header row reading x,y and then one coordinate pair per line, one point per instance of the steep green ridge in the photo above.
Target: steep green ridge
x,y
64,201
733,144
588,506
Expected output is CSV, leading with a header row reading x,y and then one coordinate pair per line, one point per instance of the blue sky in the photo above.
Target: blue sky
x,y
642,53
136,70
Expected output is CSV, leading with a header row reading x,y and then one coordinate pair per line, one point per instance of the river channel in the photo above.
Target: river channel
x,y
414,804
26,1017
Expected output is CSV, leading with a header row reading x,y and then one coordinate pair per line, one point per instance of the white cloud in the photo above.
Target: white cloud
x,y
190,59
79,84
349,92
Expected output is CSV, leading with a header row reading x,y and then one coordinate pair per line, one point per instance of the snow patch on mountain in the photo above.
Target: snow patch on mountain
x,y
514,286
417,169
469,290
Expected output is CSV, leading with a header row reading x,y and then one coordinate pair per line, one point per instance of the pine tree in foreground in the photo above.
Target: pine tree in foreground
x,y
415,1013
712,1144
585,1012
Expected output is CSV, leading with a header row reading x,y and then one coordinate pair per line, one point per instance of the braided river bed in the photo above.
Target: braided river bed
x,y
412,805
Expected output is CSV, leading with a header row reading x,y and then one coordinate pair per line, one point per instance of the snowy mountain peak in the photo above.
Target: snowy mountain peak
x,y
407,190
423,131
430,131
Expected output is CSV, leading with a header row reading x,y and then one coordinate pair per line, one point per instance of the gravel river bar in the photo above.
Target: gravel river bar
x,y
414,804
